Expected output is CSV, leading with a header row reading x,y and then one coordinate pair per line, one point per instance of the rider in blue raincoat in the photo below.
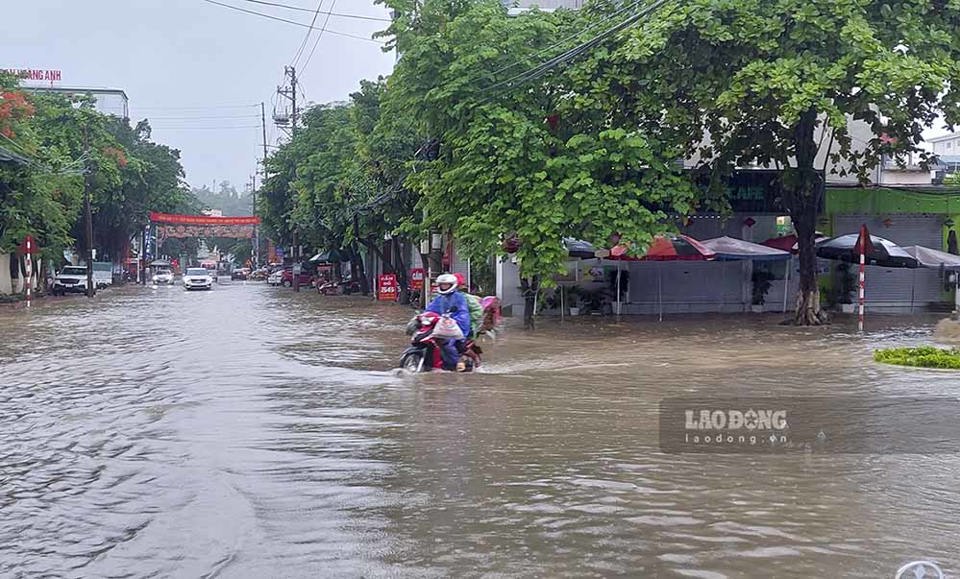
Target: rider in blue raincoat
x,y
452,302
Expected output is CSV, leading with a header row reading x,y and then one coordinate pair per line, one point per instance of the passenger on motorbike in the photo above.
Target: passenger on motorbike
x,y
452,302
473,304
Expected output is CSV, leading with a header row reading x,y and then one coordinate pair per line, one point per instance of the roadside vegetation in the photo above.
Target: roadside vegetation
x,y
922,356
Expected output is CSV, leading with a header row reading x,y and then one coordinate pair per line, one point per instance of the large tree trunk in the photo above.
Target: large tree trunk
x,y
361,270
401,269
803,190
530,287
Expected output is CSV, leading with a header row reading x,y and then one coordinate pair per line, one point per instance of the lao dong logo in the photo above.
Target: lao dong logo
x,y
735,427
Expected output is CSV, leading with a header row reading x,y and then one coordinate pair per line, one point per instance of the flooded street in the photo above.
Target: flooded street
x,y
253,432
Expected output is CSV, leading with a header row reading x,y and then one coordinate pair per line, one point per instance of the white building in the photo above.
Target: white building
x,y
946,145
518,6
947,150
106,100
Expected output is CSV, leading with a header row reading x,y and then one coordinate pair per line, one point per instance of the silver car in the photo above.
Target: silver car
x,y
197,278
163,277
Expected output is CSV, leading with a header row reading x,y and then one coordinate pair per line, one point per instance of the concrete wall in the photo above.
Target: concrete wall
x,y
508,287
897,176
6,283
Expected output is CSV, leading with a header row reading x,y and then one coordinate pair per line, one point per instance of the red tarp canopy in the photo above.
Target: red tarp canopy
x,y
789,242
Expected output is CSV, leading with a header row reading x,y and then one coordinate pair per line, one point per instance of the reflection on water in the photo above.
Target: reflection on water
x,y
254,432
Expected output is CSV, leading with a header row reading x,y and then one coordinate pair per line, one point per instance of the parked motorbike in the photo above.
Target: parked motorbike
x,y
424,355
336,288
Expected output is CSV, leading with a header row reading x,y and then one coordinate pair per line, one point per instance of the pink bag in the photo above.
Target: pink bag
x,y
448,329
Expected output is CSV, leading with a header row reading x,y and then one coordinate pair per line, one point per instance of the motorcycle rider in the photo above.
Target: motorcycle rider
x,y
450,301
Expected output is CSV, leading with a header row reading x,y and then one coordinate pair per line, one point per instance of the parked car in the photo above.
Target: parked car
x,y
197,278
102,274
286,278
71,279
163,277
275,278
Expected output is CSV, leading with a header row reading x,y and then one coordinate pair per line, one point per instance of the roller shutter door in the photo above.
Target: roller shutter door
x,y
895,288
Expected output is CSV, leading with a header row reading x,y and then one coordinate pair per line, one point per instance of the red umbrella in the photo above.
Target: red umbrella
x,y
677,247
666,248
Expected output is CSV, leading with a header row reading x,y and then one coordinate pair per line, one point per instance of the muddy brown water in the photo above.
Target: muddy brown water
x,y
253,432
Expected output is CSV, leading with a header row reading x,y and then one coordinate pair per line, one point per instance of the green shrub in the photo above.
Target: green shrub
x,y
923,356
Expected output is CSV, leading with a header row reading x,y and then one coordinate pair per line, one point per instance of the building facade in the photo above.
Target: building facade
x,y
947,150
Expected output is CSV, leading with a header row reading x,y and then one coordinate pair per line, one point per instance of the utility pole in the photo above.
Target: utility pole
x,y
255,249
88,216
290,93
256,228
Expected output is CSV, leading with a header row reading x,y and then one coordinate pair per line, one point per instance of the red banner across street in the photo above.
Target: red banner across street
x,y
175,219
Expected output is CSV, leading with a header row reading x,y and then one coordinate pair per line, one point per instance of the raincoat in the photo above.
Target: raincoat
x,y
476,313
454,304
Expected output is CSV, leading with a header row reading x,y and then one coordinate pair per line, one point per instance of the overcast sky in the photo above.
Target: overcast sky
x,y
186,64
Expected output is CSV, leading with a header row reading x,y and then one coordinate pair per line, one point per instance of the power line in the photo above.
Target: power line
x,y
575,35
293,22
544,67
202,118
192,127
196,108
300,9
306,38
319,36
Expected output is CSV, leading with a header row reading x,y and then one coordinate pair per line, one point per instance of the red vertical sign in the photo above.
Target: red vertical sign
x,y
387,284
416,278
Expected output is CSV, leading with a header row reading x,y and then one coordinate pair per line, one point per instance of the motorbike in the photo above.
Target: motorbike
x,y
336,288
423,355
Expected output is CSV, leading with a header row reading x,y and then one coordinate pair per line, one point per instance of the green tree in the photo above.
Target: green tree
x,y
779,83
65,138
540,162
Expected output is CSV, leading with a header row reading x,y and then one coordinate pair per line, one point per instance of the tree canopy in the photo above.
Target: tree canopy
x,y
69,146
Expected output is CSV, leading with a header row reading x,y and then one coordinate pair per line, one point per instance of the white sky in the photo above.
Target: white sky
x,y
189,53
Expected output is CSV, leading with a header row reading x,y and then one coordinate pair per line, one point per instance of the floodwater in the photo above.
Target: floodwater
x,y
253,432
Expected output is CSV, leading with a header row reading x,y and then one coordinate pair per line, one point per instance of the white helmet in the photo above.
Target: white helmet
x,y
447,279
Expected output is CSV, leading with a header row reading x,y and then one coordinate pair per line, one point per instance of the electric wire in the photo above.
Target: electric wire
x,y
287,21
575,35
306,37
192,127
197,108
333,4
200,118
543,68
335,14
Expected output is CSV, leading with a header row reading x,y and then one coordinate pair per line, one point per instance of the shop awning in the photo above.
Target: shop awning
x,y
933,258
730,248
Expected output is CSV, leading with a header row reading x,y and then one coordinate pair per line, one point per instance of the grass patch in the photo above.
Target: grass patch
x,y
922,357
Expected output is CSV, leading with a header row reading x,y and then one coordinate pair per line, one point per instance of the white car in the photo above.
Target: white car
x,y
276,278
197,278
71,279
163,277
